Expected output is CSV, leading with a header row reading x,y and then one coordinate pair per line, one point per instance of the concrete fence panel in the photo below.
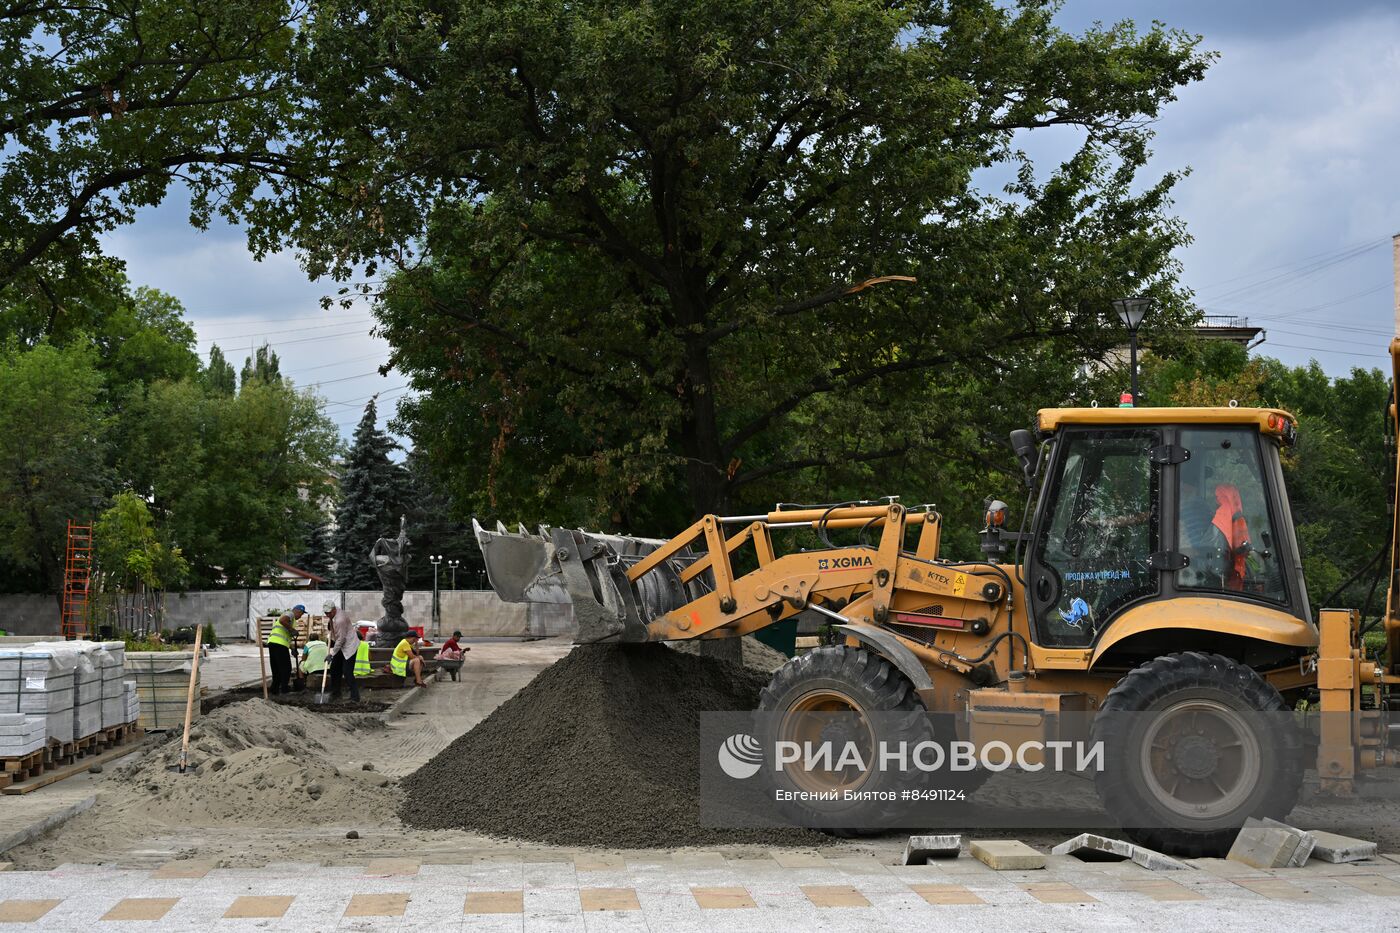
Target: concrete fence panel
x,y
475,613
29,614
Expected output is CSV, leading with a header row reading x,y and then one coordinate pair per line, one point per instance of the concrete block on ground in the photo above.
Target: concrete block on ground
x,y
38,817
920,849
1306,842
1006,854
1090,847
1153,860
1335,848
1261,845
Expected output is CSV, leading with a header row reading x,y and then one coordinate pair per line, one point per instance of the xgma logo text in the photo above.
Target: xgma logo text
x,y
841,563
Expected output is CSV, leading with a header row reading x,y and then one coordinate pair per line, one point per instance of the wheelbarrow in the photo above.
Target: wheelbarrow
x,y
450,667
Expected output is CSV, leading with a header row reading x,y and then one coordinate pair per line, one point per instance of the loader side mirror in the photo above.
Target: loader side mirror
x,y
1023,443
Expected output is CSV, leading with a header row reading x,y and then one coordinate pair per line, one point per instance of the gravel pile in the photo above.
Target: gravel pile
x,y
598,750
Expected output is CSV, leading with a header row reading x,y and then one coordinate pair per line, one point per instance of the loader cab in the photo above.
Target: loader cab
x,y
1149,504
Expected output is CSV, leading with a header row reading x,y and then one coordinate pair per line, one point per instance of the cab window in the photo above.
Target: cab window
x,y
1093,557
1224,528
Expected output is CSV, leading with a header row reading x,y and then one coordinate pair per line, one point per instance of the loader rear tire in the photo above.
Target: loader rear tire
x,y
1193,758
842,679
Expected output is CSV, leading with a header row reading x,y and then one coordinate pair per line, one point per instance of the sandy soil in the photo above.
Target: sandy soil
x,y
251,799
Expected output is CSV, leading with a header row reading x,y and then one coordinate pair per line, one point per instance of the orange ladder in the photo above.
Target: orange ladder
x,y
77,573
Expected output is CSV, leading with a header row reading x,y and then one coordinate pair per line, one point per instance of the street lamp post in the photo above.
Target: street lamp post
x,y
1131,311
436,559
454,564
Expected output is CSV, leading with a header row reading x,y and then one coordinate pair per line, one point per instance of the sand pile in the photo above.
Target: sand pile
x,y
262,764
598,750
756,654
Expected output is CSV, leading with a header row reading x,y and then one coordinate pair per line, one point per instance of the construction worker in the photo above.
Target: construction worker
x,y
313,657
362,665
406,658
345,650
280,641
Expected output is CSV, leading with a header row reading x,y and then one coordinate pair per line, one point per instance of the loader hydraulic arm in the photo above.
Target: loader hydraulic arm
x,y
630,589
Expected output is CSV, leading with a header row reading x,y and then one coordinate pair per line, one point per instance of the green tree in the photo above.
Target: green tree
x,y
373,494
658,235
52,460
315,554
262,366
104,104
144,338
218,376
436,524
233,479
130,554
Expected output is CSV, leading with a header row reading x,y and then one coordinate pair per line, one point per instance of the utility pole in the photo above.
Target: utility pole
x,y
1395,267
436,559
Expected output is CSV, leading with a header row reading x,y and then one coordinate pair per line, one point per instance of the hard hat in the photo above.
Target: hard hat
x,y
327,606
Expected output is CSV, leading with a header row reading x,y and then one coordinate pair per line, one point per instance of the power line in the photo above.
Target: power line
x,y
1295,262
1294,346
1274,281
295,330
284,343
270,320
354,359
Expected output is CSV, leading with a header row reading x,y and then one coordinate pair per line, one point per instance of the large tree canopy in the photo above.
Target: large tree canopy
x,y
103,104
638,248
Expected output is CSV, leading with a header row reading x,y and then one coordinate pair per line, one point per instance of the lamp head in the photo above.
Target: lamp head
x,y
1131,311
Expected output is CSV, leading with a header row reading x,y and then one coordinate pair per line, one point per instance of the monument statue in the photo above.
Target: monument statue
x,y
389,558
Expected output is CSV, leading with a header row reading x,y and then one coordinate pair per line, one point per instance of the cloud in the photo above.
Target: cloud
x,y
1292,141
240,303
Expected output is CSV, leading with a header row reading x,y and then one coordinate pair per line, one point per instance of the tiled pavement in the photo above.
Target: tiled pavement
x,y
697,891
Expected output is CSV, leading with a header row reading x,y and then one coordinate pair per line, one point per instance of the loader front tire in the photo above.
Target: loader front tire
x,y
1194,744
854,684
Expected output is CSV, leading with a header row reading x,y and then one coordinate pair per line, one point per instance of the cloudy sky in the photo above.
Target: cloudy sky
x,y
1293,141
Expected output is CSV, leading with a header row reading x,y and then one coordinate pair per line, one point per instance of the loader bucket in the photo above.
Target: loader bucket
x,y
589,571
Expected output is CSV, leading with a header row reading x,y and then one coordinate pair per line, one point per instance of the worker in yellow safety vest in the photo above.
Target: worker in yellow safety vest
x,y
362,667
280,641
406,658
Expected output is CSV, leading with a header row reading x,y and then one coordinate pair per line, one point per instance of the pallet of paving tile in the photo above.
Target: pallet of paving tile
x,y
58,753
21,767
85,746
51,774
116,735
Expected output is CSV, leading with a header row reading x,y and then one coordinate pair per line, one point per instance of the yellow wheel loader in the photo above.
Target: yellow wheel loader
x,y
1156,571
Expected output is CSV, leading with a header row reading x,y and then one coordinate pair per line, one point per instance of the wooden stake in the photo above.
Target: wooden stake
x,y
262,655
189,698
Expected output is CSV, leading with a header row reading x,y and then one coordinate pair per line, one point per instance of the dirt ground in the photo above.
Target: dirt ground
x,y
304,699
282,783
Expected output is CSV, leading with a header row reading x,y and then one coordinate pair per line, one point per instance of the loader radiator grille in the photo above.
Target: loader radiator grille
x,y
920,633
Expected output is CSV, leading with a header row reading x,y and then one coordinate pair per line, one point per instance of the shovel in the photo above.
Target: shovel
x,y
323,697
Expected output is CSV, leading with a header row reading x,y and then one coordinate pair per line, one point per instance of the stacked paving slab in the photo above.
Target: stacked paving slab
x,y
87,688
131,700
112,660
20,735
37,680
72,689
